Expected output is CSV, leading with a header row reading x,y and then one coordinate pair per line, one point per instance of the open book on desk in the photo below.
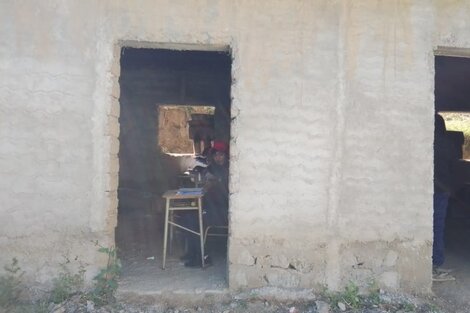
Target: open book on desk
x,y
190,191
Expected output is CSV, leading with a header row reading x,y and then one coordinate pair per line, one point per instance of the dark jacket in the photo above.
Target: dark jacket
x,y
444,155
215,200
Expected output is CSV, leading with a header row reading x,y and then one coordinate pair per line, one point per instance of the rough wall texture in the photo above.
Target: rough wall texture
x,y
333,81
173,130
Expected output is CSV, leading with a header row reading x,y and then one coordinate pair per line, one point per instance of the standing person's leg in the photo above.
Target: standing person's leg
x,y
193,255
190,221
441,201
216,209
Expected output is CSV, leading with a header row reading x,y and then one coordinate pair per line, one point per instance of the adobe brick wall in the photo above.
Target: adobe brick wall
x,y
319,87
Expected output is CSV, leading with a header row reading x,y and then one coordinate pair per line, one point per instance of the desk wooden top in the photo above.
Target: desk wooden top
x,y
173,194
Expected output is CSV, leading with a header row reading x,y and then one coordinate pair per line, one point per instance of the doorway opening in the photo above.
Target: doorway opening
x,y
452,102
175,106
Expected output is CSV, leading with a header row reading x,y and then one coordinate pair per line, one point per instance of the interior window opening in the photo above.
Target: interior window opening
x,y
185,130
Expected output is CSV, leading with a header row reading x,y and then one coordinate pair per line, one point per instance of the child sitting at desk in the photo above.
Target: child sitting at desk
x,y
215,203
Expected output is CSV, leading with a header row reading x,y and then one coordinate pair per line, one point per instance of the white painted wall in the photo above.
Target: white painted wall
x,y
332,150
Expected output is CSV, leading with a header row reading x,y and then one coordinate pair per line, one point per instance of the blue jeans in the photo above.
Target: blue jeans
x,y
441,200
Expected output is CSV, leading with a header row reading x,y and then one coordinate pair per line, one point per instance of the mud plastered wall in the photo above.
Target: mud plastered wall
x,y
331,175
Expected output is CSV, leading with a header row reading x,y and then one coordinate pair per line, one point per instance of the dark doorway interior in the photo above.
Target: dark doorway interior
x,y
152,82
452,102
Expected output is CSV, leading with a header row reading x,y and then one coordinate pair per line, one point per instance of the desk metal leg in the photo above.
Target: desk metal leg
x,y
165,235
171,218
201,230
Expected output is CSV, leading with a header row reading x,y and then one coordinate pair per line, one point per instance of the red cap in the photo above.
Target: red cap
x,y
220,146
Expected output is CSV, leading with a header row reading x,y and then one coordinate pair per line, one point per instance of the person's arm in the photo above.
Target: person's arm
x,y
209,181
443,186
